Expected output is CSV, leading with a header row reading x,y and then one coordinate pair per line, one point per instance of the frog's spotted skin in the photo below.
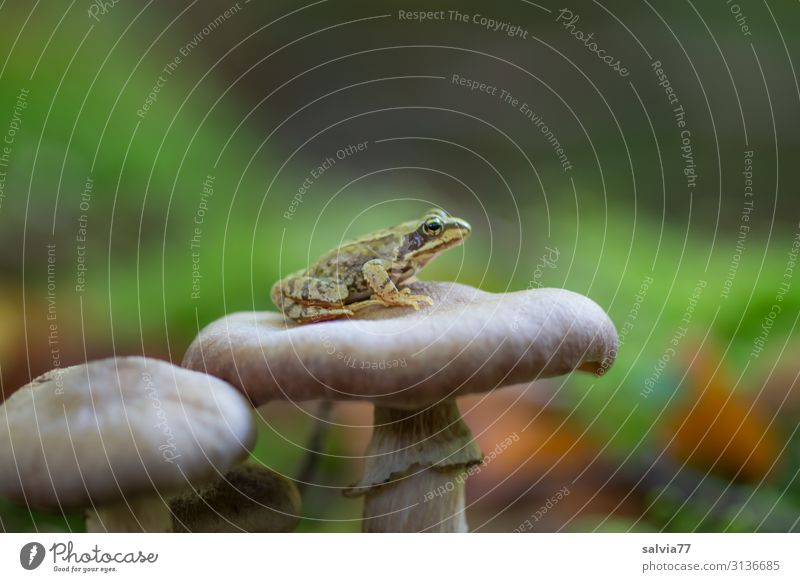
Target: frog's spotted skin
x,y
367,271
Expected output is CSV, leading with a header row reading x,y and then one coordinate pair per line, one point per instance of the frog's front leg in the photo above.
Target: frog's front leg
x,y
308,299
377,276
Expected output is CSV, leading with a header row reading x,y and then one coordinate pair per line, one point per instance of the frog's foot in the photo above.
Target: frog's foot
x,y
415,301
404,298
385,289
358,306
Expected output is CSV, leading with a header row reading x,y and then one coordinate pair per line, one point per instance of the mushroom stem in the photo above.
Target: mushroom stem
x,y
140,514
396,507
414,472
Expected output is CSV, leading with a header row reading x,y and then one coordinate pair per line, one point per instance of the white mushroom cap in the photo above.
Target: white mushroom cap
x,y
411,366
469,341
95,433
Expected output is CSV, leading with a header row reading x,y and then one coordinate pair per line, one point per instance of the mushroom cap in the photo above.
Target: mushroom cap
x,y
98,432
469,341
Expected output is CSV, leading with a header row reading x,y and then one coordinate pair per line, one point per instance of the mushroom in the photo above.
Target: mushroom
x,y
249,498
115,435
412,366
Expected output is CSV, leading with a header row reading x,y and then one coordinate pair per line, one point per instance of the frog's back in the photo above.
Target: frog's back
x,y
346,261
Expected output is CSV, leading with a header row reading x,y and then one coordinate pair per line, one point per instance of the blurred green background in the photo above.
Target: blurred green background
x,y
695,426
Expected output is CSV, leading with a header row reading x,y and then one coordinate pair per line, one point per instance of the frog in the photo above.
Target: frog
x,y
369,271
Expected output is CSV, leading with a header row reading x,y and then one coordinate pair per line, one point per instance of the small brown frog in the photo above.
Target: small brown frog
x,y
367,271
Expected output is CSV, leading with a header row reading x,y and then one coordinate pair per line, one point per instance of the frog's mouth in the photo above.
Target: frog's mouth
x,y
456,233
447,240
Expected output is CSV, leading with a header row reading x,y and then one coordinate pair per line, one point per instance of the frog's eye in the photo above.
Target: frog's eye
x,y
433,226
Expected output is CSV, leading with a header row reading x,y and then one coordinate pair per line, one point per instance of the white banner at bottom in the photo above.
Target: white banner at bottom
x,y
400,557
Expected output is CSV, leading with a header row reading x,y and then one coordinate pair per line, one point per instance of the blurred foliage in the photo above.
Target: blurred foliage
x,y
613,231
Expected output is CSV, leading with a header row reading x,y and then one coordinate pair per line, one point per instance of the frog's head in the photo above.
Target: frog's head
x,y
436,232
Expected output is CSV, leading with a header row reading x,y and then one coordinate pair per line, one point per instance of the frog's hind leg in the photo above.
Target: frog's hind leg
x,y
309,299
318,290
310,313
